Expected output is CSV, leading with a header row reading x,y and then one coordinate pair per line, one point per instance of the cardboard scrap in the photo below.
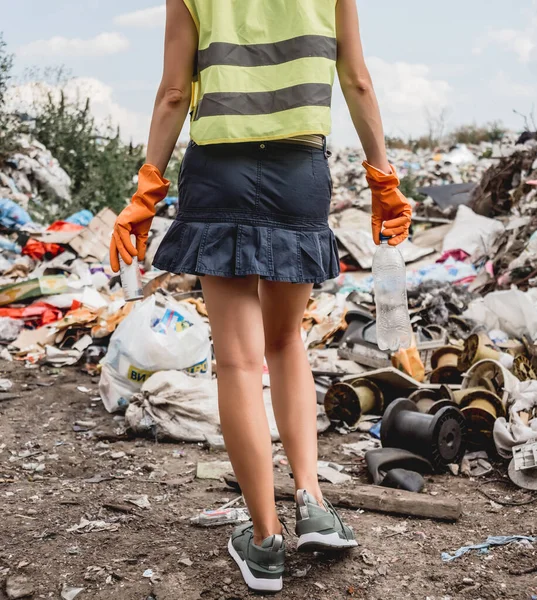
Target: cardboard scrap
x,y
362,248
29,338
94,240
61,358
395,378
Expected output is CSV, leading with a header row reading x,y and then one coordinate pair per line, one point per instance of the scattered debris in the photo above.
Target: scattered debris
x,y
185,561
117,455
332,475
70,593
18,586
368,557
301,572
213,470
141,500
87,526
5,385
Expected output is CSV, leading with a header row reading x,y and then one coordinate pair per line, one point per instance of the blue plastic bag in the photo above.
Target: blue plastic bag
x,y
82,217
12,215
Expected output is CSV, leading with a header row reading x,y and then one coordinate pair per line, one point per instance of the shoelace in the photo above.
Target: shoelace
x,y
284,524
334,512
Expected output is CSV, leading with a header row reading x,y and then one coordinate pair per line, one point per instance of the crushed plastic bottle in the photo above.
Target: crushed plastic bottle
x,y
222,516
394,330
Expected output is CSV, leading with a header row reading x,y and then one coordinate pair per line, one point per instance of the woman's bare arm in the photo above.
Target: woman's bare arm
x,y
357,86
173,96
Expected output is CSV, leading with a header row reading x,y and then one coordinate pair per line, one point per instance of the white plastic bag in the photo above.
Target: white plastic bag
x,y
472,233
153,337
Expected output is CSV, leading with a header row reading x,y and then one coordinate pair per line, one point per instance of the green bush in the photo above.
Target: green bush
x,y
408,187
398,143
472,134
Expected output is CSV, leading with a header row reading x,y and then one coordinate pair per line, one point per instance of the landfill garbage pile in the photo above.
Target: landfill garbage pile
x,y
456,165
469,378
508,191
25,177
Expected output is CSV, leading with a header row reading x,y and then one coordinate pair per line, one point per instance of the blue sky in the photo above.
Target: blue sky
x,y
473,60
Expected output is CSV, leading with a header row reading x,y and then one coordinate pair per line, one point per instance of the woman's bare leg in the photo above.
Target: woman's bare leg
x,y
237,330
291,382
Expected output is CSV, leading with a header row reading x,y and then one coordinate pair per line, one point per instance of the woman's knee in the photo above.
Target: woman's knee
x,y
276,342
240,362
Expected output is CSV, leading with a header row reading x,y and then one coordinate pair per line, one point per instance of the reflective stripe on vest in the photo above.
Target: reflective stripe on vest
x,y
265,70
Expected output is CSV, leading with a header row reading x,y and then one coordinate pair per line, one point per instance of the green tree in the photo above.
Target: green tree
x,y
109,182
100,165
9,124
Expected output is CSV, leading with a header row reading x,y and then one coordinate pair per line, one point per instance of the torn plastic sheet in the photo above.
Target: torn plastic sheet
x,y
472,233
512,311
491,541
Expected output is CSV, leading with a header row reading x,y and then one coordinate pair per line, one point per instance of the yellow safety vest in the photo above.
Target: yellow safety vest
x,y
265,69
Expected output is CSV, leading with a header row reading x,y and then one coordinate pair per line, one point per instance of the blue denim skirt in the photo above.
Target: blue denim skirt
x,y
253,209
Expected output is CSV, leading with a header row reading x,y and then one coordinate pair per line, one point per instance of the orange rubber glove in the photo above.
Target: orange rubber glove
x,y
137,217
392,213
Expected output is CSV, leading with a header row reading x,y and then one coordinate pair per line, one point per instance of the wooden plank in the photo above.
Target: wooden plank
x,y
376,498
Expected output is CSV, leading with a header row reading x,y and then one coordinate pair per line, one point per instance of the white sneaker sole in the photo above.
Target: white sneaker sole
x,y
254,583
311,542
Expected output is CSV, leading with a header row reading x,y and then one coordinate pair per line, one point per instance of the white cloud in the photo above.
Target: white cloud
x,y
504,85
146,18
407,94
101,45
522,43
104,107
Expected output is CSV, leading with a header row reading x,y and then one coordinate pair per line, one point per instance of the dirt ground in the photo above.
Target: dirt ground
x,y
52,476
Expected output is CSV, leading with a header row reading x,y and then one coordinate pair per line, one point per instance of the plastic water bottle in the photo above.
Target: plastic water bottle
x,y
393,321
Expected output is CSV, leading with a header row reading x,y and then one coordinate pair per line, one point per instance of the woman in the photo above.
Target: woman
x,y
254,197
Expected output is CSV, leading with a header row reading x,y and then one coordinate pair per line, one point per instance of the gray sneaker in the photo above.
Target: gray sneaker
x,y
318,529
261,566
